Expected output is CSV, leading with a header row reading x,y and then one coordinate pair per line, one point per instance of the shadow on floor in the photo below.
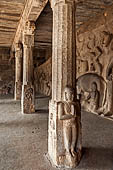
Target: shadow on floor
x,y
97,159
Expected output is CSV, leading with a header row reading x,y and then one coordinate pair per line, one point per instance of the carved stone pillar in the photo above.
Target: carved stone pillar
x,y
28,75
63,74
18,71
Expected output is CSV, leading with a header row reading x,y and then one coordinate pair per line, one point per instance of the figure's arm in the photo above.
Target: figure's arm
x,y
98,52
89,96
73,110
63,116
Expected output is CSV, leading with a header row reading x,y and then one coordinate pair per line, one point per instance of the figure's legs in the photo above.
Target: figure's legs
x,y
74,140
109,110
67,139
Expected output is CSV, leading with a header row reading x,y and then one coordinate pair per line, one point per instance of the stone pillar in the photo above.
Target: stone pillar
x,y
18,71
63,74
28,75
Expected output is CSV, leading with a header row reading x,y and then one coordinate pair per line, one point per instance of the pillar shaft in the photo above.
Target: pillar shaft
x,y
28,81
28,65
63,58
63,75
18,71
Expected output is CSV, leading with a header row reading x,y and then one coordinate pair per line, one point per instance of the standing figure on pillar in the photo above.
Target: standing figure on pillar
x,y
69,113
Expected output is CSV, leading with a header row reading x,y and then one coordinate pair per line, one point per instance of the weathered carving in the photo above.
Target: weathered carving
x,y
109,77
65,130
29,27
28,99
28,34
107,109
107,37
91,89
96,47
92,101
69,113
43,75
98,67
18,90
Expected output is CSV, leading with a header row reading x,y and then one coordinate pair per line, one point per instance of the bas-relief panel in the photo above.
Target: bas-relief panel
x,y
94,62
94,70
43,78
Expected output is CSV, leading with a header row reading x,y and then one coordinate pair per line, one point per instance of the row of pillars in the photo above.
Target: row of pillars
x,y
63,73
63,53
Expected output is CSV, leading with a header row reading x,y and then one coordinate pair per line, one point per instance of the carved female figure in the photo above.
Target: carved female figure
x,y
68,114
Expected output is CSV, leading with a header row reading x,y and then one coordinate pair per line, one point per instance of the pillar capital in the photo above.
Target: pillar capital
x,y
18,46
28,34
56,2
63,2
29,27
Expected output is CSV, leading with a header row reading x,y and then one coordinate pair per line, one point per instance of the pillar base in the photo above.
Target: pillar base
x,y
18,90
56,150
27,104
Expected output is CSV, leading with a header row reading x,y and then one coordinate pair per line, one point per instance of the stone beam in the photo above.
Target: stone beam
x,y
32,11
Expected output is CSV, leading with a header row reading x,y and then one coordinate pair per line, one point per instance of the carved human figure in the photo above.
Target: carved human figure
x,y
93,98
68,114
94,64
107,109
107,37
109,77
28,98
84,66
98,66
92,68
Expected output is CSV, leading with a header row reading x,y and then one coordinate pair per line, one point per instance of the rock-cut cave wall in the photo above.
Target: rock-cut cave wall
x,y
6,72
43,78
94,54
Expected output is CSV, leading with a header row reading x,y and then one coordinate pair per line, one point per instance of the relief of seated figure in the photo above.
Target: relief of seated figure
x,y
69,113
92,101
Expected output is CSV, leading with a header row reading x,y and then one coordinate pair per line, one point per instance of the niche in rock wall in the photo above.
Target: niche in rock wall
x,y
95,66
91,90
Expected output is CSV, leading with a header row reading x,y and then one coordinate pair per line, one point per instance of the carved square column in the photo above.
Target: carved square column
x,y
64,77
18,71
27,101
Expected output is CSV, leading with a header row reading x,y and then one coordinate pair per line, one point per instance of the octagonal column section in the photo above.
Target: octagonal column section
x,y
63,75
18,71
27,101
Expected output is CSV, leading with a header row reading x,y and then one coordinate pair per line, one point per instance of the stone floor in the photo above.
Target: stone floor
x,y
23,139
